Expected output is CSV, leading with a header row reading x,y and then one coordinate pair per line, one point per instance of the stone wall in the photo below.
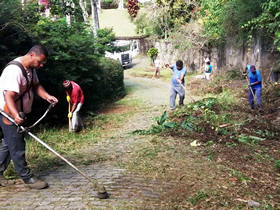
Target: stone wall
x,y
227,57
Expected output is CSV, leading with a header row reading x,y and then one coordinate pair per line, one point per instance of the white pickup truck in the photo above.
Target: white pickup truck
x,y
124,57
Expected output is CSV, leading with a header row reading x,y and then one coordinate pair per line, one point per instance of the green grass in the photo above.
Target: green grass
x,y
200,195
119,20
165,74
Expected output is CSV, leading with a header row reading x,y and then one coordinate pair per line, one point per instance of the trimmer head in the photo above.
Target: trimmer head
x,y
103,195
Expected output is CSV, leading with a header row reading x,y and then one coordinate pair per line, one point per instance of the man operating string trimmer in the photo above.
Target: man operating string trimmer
x,y
18,82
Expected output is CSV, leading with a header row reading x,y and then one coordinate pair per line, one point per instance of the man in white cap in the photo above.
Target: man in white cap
x,y
74,96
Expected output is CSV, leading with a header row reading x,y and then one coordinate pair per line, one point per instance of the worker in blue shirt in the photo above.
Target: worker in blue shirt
x,y
255,85
177,83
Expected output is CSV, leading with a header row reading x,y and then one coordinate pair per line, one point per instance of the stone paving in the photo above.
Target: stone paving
x,y
69,190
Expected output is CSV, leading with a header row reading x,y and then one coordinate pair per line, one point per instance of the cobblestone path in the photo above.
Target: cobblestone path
x,y
69,190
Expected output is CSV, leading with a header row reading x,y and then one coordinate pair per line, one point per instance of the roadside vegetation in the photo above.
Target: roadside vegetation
x,y
207,23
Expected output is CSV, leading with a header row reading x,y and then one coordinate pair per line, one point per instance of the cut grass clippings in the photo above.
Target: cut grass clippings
x,y
238,144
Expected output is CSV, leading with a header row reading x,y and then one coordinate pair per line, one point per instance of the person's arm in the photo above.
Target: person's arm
x,y
44,95
257,82
245,72
73,107
168,66
76,98
10,97
180,80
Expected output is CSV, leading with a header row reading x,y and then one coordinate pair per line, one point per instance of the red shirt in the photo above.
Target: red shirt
x,y
76,95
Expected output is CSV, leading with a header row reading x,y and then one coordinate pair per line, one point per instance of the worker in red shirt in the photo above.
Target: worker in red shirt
x,y
74,96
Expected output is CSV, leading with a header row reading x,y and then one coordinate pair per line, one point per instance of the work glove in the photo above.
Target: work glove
x,y
70,115
68,98
250,85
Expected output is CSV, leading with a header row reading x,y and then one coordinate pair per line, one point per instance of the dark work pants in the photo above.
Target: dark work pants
x,y
257,92
173,93
13,147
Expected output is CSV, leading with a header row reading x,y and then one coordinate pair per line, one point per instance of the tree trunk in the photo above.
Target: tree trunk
x,y
94,14
68,16
85,13
99,6
120,4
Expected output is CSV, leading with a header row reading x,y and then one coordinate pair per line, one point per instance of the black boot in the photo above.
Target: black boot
x,y
35,183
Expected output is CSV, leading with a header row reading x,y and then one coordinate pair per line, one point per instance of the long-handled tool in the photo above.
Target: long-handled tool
x,y
188,95
248,82
102,193
39,120
69,119
253,94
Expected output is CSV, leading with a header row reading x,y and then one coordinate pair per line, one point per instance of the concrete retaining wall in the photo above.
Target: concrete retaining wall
x,y
227,57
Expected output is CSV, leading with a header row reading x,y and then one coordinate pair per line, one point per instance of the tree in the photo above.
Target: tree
x,y
152,53
267,23
76,13
99,6
82,4
164,16
132,7
180,11
94,14
154,20
222,19
120,4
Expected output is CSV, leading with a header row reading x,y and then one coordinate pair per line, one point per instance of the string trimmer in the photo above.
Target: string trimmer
x,y
102,193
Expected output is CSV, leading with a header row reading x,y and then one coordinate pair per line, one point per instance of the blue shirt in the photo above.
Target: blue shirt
x,y
177,75
209,70
254,78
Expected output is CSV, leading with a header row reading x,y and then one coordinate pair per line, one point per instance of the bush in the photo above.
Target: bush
x,y
152,53
109,4
15,38
75,55
113,85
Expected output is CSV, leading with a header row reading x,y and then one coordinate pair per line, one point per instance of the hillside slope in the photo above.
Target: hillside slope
x,y
119,20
